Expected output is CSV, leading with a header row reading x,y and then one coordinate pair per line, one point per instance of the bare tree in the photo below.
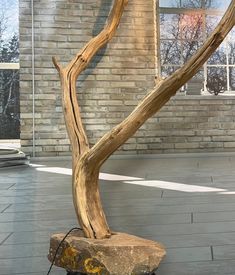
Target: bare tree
x,y
183,34
87,161
9,79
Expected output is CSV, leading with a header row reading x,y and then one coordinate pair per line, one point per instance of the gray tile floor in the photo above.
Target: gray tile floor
x,y
188,204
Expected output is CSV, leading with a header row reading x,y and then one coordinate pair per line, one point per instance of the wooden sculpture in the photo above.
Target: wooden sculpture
x,y
86,160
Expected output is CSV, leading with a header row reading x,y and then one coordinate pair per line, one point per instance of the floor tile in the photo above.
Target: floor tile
x,y
187,203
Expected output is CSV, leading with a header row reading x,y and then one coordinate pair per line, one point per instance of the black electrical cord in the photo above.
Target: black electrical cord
x,y
57,249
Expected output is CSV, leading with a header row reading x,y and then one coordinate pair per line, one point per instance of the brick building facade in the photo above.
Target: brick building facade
x,y
117,78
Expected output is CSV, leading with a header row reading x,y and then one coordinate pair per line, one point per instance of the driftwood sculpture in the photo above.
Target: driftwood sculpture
x,y
87,161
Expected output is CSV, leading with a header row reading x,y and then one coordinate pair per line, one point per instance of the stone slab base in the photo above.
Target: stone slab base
x,y
121,254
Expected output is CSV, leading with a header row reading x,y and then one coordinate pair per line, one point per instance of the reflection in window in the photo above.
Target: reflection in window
x,y
191,26
9,76
219,56
168,70
10,51
231,47
169,26
232,78
189,47
184,25
195,84
9,104
169,3
9,15
170,52
217,4
217,80
211,21
192,4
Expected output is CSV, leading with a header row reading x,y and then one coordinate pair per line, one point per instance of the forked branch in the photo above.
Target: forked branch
x,y
161,93
86,194
86,168
70,73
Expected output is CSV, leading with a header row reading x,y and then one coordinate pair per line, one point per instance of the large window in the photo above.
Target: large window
x,y
184,25
9,70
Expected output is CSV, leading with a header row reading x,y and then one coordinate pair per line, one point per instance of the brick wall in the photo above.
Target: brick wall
x,y
192,124
118,77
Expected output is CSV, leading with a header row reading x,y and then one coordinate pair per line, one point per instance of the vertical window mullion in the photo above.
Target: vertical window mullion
x,y
157,38
227,64
204,38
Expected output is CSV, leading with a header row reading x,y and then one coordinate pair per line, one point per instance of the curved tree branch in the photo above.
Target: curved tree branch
x,y
92,160
86,168
70,73
86,194
161,93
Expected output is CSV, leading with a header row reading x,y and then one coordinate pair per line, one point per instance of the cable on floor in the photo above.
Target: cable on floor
x,y
57,249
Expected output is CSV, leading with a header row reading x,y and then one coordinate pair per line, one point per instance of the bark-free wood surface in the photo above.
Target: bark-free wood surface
x,y
87,161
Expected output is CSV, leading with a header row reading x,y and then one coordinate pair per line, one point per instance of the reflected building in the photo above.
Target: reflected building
x,y
184,26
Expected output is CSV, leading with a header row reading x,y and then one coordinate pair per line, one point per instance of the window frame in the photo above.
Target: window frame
x,y
204,12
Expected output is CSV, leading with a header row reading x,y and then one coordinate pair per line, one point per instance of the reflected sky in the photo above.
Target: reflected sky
x,y
9,16
215,4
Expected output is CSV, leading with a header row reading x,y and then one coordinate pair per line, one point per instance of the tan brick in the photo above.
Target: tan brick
x,y
115,81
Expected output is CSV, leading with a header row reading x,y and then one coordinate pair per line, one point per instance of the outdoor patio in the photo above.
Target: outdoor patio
x,y
187,203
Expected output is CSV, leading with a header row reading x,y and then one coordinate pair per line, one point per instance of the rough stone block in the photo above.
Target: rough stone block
x,y
122,254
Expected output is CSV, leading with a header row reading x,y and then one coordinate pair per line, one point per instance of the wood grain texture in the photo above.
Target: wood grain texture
x,y
87,161
86,194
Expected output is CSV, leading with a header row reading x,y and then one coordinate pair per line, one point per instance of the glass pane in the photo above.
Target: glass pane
x,y
9,33
189,48
195,85
231,47
169,26
232,78
231,52
192,4
9,52
169,3
170,52
216,79
9,104
211,23
191,26
168,70
217,4
219,56
198,77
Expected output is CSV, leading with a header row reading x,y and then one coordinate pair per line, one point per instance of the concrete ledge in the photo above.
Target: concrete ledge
x,y
204,97
145,156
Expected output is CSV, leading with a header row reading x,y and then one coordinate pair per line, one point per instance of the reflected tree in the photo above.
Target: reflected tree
x,y
183,30
9,79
